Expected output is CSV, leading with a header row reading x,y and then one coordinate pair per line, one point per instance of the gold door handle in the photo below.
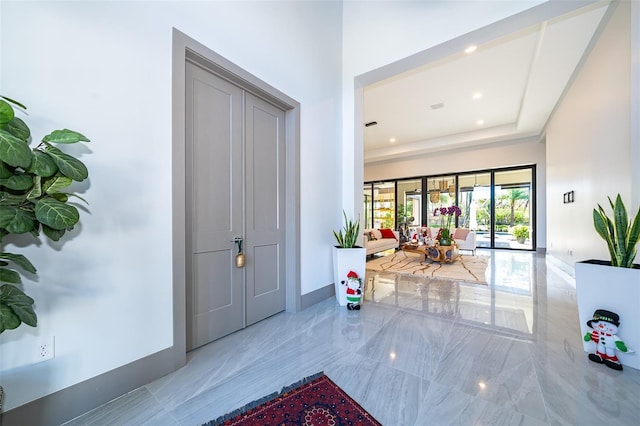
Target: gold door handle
x,y
240,257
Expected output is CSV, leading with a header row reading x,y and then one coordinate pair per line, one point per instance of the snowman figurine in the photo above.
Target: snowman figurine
x,y
354,292
604,327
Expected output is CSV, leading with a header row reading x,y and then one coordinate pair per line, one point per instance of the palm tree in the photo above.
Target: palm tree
x,y
512,196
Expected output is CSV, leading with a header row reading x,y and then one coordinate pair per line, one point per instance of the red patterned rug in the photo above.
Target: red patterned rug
x,y
314,401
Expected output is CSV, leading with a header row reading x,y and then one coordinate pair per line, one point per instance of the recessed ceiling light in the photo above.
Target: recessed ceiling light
x,y
477,95
480,122
392,140
471,49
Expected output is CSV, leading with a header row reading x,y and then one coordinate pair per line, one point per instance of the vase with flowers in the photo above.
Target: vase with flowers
x,y
446,216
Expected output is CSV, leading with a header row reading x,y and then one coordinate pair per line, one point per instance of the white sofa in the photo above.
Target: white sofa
x,y
465,238
374,241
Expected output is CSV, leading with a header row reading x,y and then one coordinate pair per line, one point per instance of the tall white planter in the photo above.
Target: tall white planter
x,y
601,286
344,261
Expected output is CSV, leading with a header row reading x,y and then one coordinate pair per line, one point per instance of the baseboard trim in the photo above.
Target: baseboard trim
x,y
69,403
317,296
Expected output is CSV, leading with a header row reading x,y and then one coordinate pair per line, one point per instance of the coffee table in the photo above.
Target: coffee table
x,y
436,253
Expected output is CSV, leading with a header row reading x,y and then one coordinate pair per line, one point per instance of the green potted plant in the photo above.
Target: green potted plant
x,y
347,257
34,199
521,233
613,285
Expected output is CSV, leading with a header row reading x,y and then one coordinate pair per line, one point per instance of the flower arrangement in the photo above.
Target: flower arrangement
x,y
446,215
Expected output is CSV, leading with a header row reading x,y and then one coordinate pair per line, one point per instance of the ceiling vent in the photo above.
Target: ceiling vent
x,y
371,123
437,106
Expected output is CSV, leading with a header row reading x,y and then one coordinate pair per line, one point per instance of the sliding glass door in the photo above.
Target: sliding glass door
x,y
409,211
474,199
441,193
499,204
384,205
513,224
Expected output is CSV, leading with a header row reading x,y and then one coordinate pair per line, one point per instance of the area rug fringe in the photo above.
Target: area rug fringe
x,y
220,420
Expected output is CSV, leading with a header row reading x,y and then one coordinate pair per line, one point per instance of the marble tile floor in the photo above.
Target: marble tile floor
x,y
417,353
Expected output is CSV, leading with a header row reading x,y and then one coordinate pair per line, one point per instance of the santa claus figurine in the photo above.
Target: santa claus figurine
x,y
354,292
605,326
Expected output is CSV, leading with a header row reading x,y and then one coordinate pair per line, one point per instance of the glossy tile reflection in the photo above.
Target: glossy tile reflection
x,y
419,352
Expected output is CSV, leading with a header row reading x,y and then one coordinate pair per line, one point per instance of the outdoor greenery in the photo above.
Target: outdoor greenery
x,y
521,232
621,235
32,200
348,235
512,208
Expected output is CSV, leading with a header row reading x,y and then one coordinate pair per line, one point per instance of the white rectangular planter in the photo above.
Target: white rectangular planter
x,y
345,260
601,286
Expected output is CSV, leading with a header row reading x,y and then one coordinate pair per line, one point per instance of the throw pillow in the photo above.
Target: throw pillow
x,y
371,236
461,234
388,233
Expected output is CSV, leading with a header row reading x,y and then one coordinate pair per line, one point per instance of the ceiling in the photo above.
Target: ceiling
x,y
517,81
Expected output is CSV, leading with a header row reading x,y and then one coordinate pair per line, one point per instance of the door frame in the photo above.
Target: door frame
x,y
184,47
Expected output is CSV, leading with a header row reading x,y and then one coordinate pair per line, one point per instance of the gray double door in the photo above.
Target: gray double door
x,y
235,187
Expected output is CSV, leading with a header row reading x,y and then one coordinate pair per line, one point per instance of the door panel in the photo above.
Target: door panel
x,y
215,304
266,260
265,179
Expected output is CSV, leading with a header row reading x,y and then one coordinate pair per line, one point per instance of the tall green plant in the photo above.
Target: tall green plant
x,y
621,235
348,238
32,200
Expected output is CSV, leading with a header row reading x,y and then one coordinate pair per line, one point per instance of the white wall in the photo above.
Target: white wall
x,y
589,146
489,157
103,68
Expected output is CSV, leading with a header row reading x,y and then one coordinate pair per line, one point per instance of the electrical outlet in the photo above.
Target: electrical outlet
x,y
45,350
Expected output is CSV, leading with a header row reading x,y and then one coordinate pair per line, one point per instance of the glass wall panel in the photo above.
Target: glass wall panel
x,y
513,209
409,214
499,205
368,206
441,192
384,205
474,199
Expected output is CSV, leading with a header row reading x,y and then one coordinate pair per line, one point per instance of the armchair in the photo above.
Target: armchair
x,y
466,239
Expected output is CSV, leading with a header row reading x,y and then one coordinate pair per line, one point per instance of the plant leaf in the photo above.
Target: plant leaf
x,y
68,165
15,220
21,305
632,240
65,136
36,190
13,102
604,228
19,260
7,199
56,214
621,222
6,113
14,151
18,182
53,234
5,171
54,185
18,128
42,164
9,276
8,319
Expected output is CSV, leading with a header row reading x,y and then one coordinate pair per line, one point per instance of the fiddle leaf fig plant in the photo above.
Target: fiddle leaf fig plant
x,y
34,199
